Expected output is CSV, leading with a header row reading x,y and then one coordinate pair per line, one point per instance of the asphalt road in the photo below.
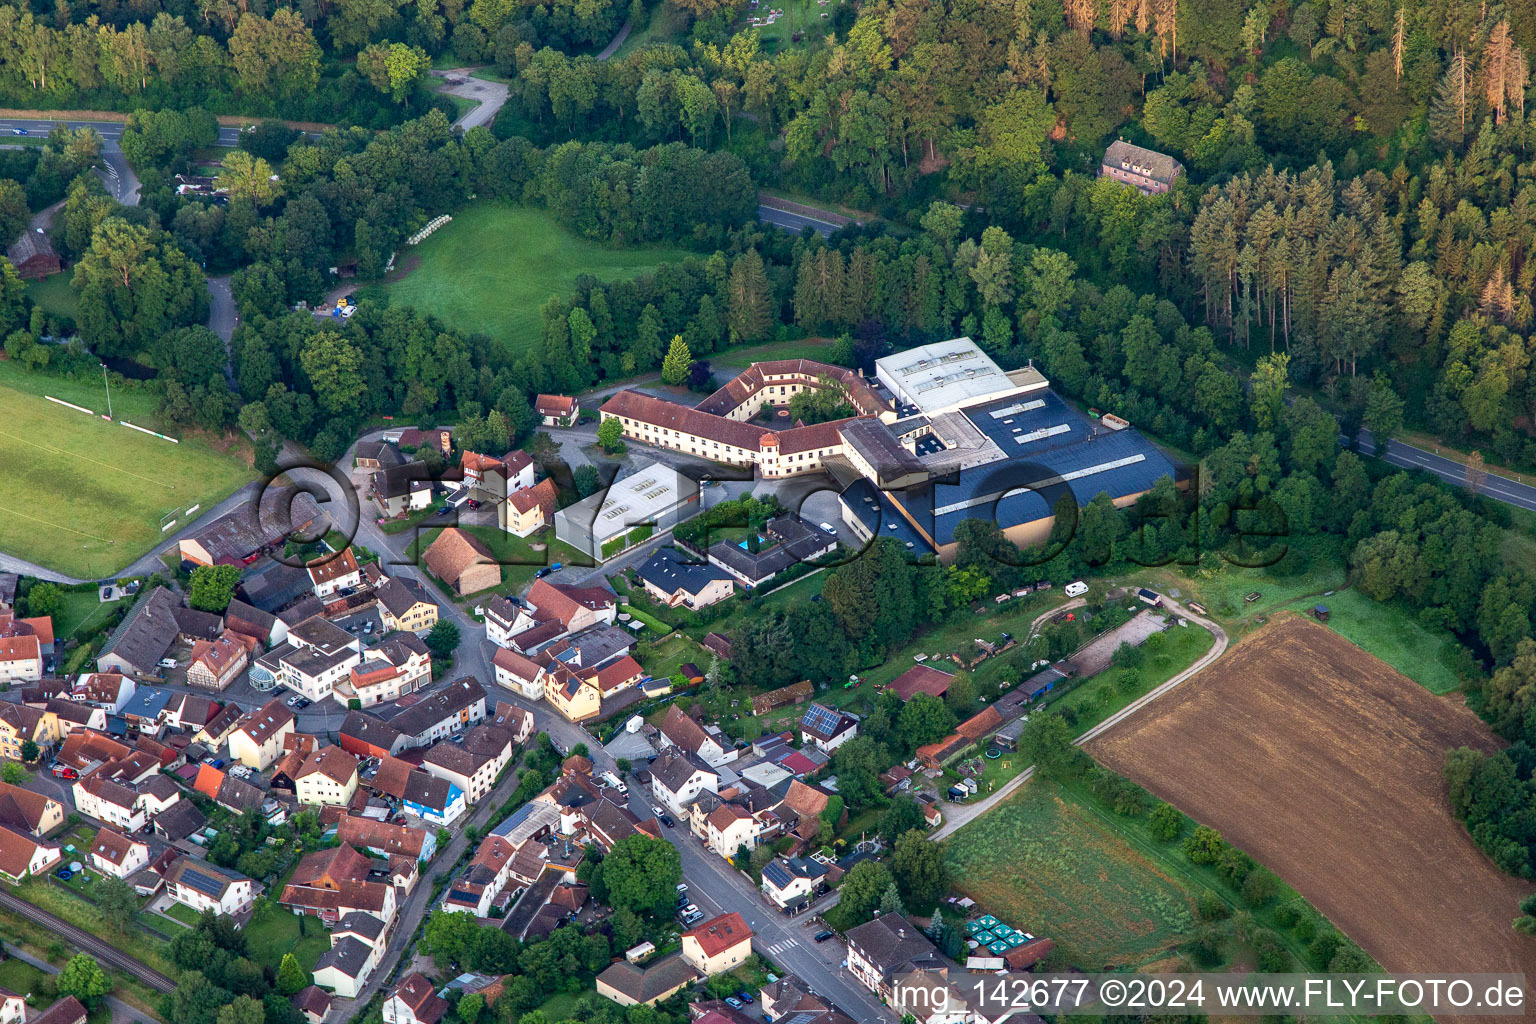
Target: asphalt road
x,y
795,222
120,180
1499,488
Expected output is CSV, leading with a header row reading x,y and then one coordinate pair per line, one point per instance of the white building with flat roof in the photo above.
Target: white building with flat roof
x,y
948,375
649,501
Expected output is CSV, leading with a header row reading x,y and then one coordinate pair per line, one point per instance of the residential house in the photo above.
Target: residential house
x,y
402,489
629,985
109,691
574,697
437,714
115,854
472,764
375,455
728,828
433,799
333,573
13,1007
330,884
328,776
263,628
404,605
556,410
575,608
516,672
386,840
112,802
203,885
462,561
476,889
313,1003
21,659
245,534
677,580
518,722
882,949
678,777
615,677
217,663
718,643
389,671
320,654
220,728
179,821
529,509
20,723
357,946
413,1002
33,255
719,944
258,740
23,855
827,728
68,717
68,1010
1147,170
793,882
684,733
365,735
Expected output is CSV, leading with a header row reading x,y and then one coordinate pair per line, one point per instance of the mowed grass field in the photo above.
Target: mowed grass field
x,y
493,267
1324,764
1045,863
87,497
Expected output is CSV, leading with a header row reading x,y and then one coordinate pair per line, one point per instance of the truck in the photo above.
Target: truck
x,y
614,781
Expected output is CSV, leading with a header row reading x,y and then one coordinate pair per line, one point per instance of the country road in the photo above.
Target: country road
x,y
966,813
107,954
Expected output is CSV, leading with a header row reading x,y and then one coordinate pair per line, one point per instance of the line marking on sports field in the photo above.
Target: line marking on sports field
x,y
56,526
86,458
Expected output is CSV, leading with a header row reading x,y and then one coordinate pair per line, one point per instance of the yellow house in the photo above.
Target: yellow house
x,y
572,696
19,723
403,604
328,776
717,945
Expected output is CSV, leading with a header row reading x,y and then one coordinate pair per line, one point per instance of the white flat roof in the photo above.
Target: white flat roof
x,y
641,497
944,375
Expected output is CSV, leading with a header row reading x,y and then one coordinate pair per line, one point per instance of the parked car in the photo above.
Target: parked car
x,y
823,936
682,886
744,996
293,701
666,819
829,528
733,1002
659,812
1075,589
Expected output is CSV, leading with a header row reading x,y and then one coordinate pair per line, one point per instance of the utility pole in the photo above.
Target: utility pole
x,y
108,384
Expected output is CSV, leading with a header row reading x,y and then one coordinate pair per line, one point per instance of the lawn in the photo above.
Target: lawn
x,y
58,900
87,497
1392,635
274,931
807,17
183,913
55,295
493,267
22,978
82,609
672,653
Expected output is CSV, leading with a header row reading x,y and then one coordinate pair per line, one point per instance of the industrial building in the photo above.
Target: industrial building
x,y
651,500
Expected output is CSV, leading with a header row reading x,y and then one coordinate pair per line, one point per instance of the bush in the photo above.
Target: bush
x,y
1290,913
1321,953
1273,957
1233,865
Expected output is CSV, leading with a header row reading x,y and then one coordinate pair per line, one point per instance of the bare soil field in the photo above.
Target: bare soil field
x,y
1323,763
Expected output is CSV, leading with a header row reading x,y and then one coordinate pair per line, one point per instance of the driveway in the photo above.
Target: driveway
x,y
488,96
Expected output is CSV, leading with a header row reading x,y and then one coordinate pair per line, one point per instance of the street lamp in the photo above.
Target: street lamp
x,y
108,384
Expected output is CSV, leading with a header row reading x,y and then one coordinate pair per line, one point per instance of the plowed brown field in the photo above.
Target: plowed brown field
x,y
1323,763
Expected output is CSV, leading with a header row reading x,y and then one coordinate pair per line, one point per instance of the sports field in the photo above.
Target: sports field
x,y
493,267
1324,764
87,497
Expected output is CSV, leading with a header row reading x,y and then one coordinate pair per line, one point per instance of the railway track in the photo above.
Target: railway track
x,y
107,954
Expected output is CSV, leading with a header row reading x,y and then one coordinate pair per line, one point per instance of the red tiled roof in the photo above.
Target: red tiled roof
x,y
554,405
564,602
525,499
718,935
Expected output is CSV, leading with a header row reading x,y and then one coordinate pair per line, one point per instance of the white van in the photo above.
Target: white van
x,y
1076,588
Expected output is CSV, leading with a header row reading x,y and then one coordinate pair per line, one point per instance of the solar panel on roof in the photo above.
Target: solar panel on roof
x,y
820,719
205,884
